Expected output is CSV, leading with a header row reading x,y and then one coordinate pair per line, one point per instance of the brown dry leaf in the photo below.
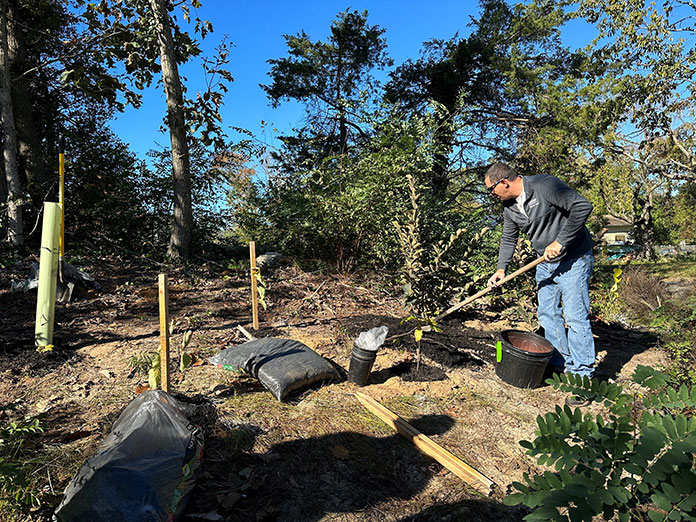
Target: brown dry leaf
x,y
140,388
196,361
46,404
341,452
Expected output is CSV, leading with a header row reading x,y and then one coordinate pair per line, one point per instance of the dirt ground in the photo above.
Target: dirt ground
x,y
320,456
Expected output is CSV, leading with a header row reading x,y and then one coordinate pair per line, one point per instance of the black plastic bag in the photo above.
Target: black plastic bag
x,y
144,470
283,366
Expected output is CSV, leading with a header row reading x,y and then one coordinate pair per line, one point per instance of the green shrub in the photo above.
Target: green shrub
x,y
635,460
604,295
676,322
435,272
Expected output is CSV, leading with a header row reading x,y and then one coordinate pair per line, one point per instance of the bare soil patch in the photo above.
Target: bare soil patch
x,y
319,457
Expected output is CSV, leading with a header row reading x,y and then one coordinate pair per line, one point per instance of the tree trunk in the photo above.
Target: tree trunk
x,y
643,226
15,234
30,159
180,239
444,139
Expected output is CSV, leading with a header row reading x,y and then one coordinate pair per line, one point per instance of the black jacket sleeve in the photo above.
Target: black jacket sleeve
x,y
508,242
578,208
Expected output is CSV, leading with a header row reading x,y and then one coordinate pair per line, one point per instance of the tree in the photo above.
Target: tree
x,y
514,89
15,233
653,76
685,213
333,80
180,241
139,33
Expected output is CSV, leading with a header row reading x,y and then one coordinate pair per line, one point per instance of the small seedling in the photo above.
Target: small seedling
x,y
185,359
142,362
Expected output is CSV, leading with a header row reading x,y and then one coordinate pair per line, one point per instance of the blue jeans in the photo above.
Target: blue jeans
x,y
564,300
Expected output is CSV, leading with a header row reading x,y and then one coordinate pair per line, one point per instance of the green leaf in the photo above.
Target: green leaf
x,y
681,425
656,516
514,499
185,361
186,339
545,513
661,501
154,376
606,497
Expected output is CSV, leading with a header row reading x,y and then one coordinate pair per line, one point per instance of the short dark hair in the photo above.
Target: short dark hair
x,y
499,171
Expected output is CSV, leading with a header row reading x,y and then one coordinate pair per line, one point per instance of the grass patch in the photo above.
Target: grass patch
x,y
667,269
685,269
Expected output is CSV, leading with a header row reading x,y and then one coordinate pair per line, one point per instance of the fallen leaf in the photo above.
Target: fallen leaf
x,y
46,404
140,388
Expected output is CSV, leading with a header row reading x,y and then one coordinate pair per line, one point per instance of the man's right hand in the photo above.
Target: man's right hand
x,y
496,277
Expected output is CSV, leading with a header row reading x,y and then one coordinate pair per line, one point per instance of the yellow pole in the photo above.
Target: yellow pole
x,y
61,202
164,331
48,266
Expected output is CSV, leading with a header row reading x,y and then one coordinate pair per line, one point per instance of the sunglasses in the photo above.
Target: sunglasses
x,y
492,187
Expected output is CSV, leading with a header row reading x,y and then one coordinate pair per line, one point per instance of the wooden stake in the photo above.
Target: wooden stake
x,y
427,446
245,332
164,331
254,290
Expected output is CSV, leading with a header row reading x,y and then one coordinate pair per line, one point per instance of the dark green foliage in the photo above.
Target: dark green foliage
x,y
636,457
334,80
113,202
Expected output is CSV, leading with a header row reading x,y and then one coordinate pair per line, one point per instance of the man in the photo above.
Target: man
x,y
553,216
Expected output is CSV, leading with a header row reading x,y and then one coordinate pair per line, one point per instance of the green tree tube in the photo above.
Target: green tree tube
x,y
48,274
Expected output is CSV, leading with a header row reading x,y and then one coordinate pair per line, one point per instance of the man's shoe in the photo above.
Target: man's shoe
x,y
575,401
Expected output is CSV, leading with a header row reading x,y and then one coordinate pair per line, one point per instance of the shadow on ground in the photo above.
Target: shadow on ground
x,y
303,480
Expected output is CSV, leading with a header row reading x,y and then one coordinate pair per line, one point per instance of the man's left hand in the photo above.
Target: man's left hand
x,y
553,251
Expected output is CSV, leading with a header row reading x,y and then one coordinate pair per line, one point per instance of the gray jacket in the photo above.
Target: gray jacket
x,y
555,212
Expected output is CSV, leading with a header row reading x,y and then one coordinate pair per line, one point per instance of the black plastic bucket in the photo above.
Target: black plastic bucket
x,y
361,362
522,358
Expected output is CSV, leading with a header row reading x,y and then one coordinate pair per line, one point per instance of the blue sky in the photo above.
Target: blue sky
x,y
256,29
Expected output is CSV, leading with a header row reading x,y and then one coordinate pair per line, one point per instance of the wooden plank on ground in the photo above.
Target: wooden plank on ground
x,y
457,466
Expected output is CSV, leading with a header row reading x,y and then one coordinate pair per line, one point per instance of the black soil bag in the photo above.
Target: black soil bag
x,y
144,470
283,366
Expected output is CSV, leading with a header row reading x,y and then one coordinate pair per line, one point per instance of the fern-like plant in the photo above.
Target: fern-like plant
x,y
635,461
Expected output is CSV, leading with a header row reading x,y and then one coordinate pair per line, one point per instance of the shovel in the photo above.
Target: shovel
x,y
489,288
